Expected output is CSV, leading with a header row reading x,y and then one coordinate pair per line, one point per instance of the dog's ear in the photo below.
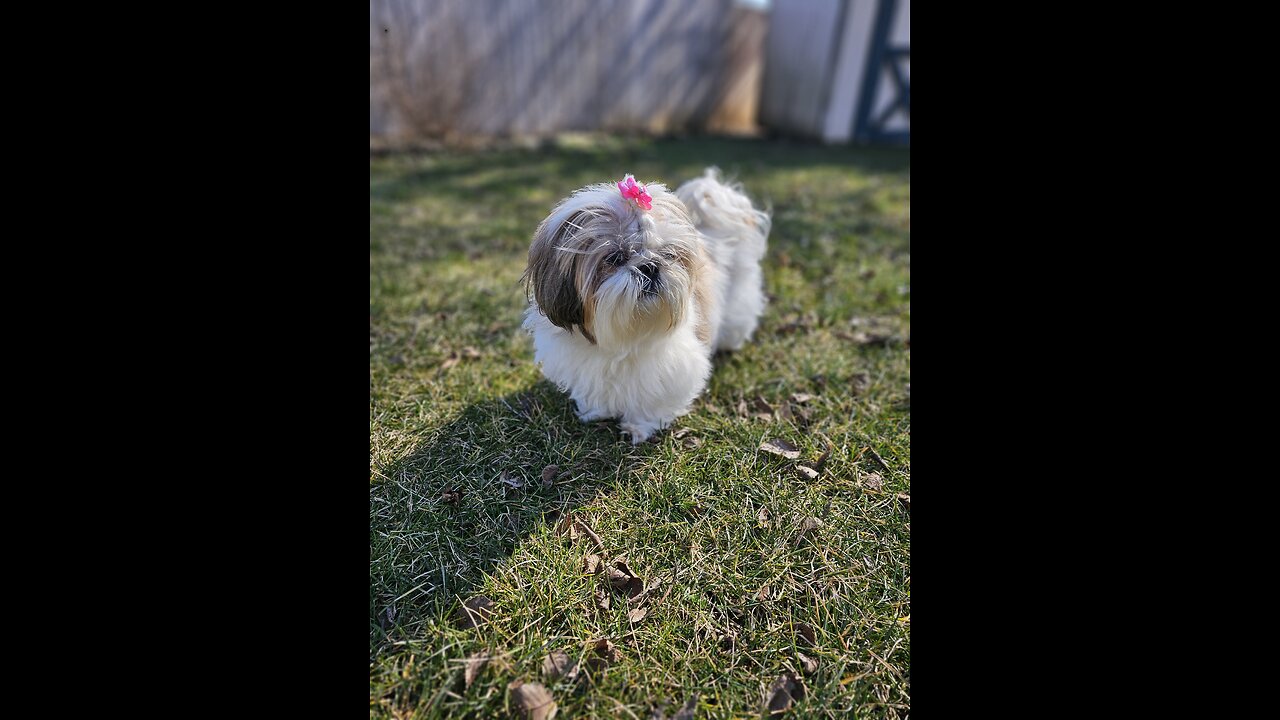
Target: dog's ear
x,y
551,274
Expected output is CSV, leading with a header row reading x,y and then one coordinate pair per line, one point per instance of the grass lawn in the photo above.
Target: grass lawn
x,y
749,568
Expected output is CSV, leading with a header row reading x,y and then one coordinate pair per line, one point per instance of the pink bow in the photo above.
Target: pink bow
x,y
631,190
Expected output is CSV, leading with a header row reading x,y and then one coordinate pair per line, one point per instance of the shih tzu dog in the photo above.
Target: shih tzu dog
x,y
635,287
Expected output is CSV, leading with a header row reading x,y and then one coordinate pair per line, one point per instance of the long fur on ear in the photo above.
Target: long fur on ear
x,y
551,273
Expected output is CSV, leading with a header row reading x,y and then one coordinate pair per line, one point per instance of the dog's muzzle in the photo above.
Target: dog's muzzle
x,y
650,273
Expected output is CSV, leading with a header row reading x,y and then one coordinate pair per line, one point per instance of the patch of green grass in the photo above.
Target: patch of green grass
x,y
720,525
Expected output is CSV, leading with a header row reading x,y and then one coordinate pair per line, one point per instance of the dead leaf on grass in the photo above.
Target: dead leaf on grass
x,y
809,664
822,460
811,470
549,474
559,665
590,564
805,636
801,398
873,481
781,448
512,481
620,563
474,664
474,612
637,615
644,596
532,700
623,579
784,412
786,691
761,409
606,652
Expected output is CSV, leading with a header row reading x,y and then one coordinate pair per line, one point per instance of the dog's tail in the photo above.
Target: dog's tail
x,y
723,211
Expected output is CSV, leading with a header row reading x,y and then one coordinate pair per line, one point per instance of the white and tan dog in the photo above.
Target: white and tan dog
x,y
634,288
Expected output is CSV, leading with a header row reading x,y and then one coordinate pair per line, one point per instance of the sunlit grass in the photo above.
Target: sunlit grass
x,y
721,525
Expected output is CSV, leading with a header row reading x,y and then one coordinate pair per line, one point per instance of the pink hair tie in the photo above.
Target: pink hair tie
x,y
636,192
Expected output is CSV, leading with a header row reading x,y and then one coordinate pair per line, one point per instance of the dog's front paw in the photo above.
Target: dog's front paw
x,y
641,431
637,434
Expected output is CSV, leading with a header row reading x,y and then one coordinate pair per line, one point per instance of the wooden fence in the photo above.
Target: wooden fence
x,y
461,68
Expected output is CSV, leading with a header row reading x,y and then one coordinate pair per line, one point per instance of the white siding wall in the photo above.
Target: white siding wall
x,y
851,66
815,63
797,61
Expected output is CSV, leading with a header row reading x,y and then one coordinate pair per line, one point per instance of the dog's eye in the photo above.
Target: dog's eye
x,y
618,258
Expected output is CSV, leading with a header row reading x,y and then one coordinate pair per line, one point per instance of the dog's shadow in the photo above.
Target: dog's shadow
x,y
450,510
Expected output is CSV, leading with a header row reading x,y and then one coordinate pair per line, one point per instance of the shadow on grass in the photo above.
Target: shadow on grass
x,y
670,160
459,504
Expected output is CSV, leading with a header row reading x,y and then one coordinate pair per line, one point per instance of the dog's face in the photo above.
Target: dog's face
x,y
602,264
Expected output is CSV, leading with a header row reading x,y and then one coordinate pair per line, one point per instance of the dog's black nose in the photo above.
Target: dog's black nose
x,y
650,271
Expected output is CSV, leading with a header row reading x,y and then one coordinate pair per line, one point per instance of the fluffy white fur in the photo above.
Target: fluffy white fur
x,y
628,305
